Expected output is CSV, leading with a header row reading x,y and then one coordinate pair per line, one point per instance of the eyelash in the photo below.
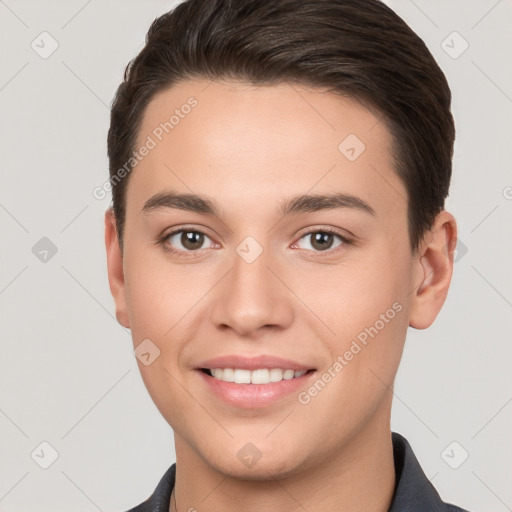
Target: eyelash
x,y
186,254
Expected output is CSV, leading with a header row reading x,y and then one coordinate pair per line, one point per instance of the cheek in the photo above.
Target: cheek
x,y
356,383
160,295
352,295
365,304
160,301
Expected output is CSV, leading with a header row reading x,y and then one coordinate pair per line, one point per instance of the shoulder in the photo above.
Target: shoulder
x,y
160,499
413,490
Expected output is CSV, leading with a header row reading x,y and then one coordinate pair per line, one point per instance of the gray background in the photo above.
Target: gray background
x,y
68,376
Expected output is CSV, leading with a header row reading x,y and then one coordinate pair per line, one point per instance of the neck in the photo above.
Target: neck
x,y
359,477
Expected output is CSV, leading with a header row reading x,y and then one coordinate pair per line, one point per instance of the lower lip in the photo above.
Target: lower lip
x,y
252,396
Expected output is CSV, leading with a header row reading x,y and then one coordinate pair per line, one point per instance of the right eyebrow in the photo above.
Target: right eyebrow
x,y
188,202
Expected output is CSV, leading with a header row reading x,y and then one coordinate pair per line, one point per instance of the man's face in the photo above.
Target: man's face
x,y
249,281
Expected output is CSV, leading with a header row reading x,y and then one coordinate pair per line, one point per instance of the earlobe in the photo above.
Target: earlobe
x,y
115,268
434,267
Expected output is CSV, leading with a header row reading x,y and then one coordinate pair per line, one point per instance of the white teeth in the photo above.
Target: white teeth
x,y
288,374
276,375
259,376
242,376
228,374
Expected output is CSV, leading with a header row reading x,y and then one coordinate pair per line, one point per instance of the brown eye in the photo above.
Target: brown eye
x,y
189,240
322,240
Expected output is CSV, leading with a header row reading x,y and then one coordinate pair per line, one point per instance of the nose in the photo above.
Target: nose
x,y
254,295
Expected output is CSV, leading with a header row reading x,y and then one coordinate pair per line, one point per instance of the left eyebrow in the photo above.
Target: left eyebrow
x,y
314,203
299,204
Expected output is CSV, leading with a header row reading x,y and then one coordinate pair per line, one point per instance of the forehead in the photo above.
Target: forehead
x,y
236,140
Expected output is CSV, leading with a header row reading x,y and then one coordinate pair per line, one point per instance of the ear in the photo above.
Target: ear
x,y
115,268
434,267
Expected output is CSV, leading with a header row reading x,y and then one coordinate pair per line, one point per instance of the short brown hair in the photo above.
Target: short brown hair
x,y
356,48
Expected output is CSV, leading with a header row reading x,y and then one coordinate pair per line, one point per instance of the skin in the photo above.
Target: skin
x,y
249,148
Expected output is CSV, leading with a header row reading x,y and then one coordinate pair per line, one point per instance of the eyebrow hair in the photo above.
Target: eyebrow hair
x,y
188,202
314,203
298,204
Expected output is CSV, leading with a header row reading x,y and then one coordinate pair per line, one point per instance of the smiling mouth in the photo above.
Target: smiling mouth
x,y
258,376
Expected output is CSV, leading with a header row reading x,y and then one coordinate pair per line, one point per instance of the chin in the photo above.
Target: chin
x,y
261,471
257,461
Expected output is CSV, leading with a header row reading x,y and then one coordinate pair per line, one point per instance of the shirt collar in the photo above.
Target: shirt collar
x,y
413,490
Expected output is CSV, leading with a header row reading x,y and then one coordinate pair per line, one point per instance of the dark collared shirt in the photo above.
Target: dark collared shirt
x,y
413,490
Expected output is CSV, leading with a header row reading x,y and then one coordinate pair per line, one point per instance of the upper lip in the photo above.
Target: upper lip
x,y
253,363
